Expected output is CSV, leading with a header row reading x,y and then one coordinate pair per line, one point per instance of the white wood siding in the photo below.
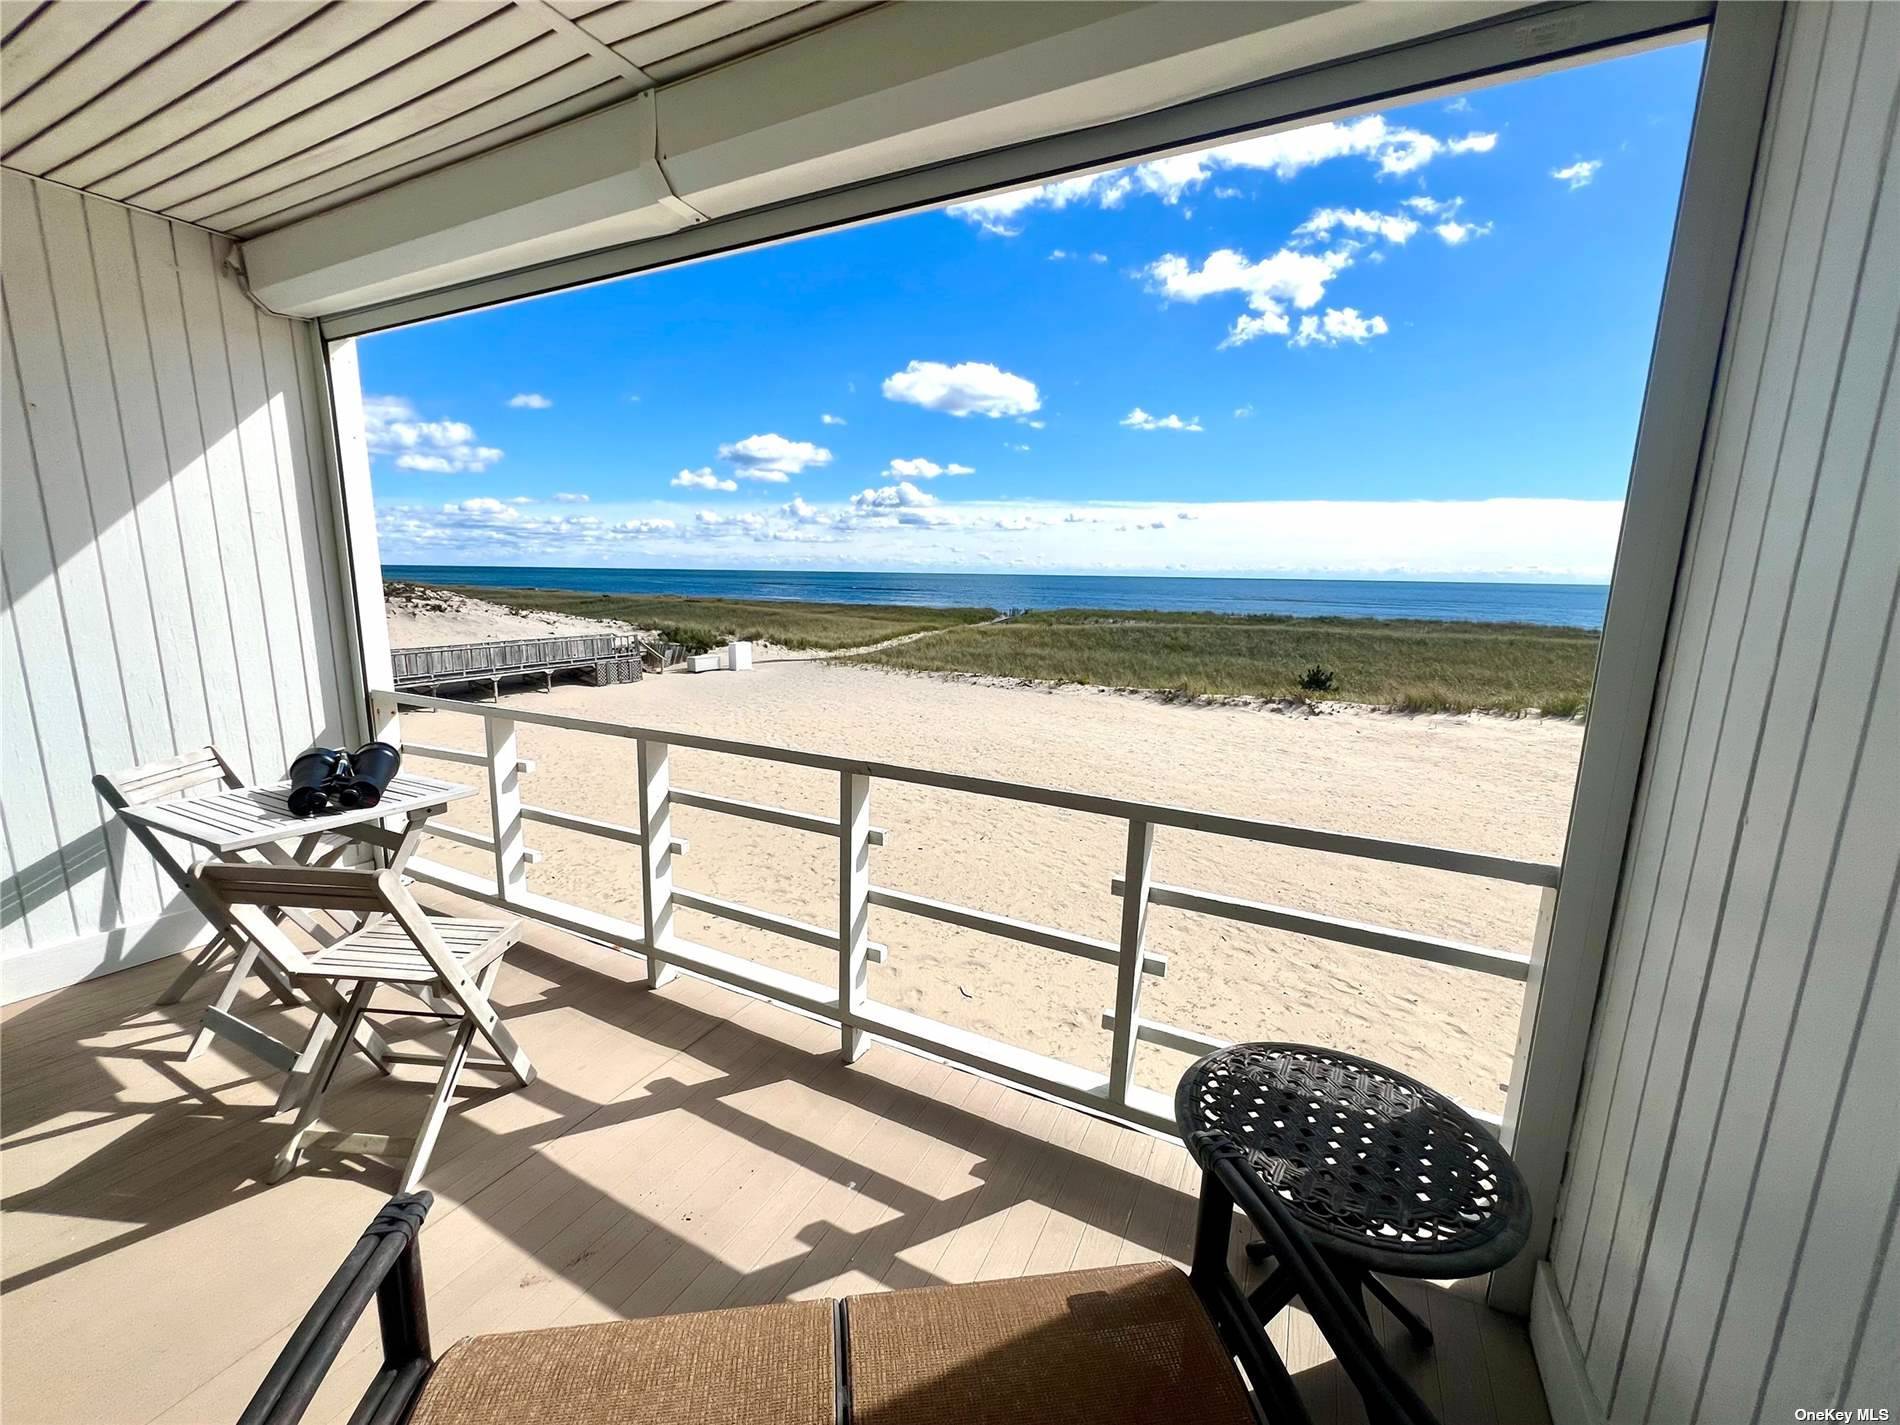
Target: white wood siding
x,y
166,546
1724,1248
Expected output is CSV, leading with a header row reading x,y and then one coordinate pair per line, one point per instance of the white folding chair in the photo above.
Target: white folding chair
x,y
178,777
449,964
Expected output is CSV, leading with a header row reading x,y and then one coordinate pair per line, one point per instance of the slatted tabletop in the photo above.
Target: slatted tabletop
x,y
249,817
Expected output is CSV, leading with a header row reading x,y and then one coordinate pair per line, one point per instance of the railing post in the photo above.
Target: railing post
x,y
504,807
656,860
384,724
854,904
1135,880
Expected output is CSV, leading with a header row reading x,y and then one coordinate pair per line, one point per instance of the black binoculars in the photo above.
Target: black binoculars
x,y
351,780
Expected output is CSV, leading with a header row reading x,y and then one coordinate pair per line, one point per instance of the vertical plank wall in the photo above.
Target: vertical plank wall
x,y
166,552
1724,1250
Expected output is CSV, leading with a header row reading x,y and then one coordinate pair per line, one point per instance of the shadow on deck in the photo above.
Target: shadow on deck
x,y
683,1149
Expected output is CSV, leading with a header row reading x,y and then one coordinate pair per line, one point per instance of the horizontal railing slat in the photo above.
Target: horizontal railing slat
x,y
478,840
701,960
759,811
1187,1041
587,825
1505,963
430,753
591,826
742,914
1470,863
1028,932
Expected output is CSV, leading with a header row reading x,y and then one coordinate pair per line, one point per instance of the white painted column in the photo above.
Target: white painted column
x,y
656,860
1135,880
504,807
356,507
854,904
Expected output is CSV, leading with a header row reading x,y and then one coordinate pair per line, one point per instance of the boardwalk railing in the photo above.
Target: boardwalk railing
x,y
505,658
846,1002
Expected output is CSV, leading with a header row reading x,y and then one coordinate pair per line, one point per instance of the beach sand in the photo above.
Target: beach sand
x,y
420,618
1478,783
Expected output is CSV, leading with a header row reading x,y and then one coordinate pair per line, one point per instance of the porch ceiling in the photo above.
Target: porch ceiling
x,y
245,117
368,151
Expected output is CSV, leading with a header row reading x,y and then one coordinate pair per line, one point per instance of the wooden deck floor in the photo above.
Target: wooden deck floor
x,y
682,1149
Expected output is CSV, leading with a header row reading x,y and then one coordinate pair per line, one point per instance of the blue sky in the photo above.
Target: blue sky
x,y
1405,343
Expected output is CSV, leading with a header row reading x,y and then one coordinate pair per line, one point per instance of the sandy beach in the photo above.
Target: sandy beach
x,y
1480,783
420,617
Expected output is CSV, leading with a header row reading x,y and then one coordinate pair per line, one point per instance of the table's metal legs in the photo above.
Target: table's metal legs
x,y
1276,1293
1420,1333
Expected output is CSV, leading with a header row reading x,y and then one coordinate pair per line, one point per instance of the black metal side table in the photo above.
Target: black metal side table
x,y
1385,1174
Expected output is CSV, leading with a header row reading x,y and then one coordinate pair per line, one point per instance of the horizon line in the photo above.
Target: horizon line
x,y
1466,577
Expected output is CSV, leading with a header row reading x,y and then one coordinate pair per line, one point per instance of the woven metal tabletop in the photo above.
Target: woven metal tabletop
x,y
1376,1166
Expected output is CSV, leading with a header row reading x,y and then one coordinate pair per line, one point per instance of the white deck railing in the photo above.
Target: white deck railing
x,y
846,1002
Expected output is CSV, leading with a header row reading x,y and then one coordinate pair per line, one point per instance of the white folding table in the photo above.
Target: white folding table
x,y
247,823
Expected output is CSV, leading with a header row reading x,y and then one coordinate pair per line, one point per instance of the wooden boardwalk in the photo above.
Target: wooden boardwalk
x,y
448,664
682,1149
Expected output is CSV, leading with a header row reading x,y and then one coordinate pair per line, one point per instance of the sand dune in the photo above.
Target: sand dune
x,y
1479,783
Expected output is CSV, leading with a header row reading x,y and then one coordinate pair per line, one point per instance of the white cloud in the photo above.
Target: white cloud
x,y
1242,413
1451,228
921,469
1337,325
702,479
392,427
521,500
1455,232
1393,227
1139,419
798,509
1016,446
568,497
487,530
744,520
1392,149
970,388
1460,105
1580,174
827,419
998,212
891,527
902,495
1269,286
530,401
772,458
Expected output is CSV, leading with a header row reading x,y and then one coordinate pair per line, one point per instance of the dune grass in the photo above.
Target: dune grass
x,y
1409,665
701,624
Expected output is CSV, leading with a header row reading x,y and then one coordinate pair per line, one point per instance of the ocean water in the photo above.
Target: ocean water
x,y
1570,605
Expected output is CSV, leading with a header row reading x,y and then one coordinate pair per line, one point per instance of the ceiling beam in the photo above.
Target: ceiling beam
x,y
584,40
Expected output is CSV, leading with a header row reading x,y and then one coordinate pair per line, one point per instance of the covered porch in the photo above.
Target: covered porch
x,y
683,1149
1700,1094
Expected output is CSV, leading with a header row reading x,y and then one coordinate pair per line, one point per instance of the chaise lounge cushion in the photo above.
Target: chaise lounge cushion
x,y
772,1364
1110,1346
